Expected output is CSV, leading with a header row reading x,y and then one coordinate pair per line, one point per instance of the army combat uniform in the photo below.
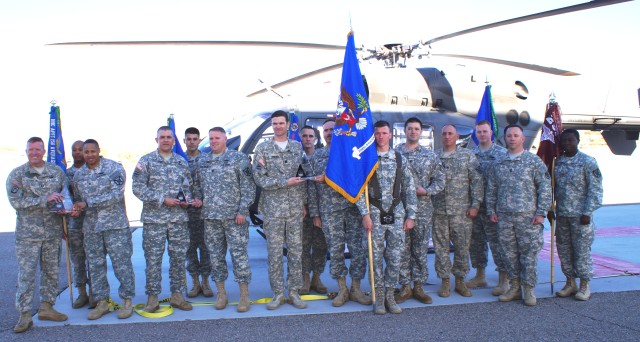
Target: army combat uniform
x,y
197,266
578,192
154,179
314,244
38,231
76,240
427,173
518,189
225,184
106,227
463,190
283,208
390,205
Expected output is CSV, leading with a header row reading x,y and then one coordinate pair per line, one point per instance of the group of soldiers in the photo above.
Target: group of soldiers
x,y
489,197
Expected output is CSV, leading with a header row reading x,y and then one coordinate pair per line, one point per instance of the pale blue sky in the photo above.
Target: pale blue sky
x,y
100,88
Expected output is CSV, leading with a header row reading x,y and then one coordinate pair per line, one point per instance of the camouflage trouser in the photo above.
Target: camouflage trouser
x,y
485,231
278,231
520,242
78,257
314,248
414,257
574,247
345,227
154,238
393,235
197,267
457,229
117,244
219,235
28,253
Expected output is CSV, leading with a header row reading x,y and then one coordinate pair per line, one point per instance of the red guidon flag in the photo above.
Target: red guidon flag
x,y
550,139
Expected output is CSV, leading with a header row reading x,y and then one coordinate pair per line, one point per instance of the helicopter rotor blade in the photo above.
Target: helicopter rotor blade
x,y
213,42
563,10
534,67
296,79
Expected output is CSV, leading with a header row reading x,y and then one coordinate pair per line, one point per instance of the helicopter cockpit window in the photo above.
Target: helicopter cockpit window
x,y
426,138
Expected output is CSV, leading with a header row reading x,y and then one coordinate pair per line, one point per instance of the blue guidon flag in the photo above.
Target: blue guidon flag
x,y
294,127
177,148
55,154
353,158
487,113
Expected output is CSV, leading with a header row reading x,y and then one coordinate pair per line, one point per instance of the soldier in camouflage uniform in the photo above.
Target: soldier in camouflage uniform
x,y
578,195
484,231
33,189
392,212
98,190
282,202
341,223
314,244
76,237
518,197
196,266
429,180
455,207
162,181
224,184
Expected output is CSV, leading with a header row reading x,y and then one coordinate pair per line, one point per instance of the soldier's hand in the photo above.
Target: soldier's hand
x,y
240,219
493,218
196,203
420,191
409,224
294,181
367,223
171,202
55,197
551,216
317,222
538,219
319,179
183,204
472,213
585,219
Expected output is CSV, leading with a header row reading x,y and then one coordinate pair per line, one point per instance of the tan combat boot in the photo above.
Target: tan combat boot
x,y
461,287
419,294
503,284
221,301
445,288
343,293
276,301
152,303
206,289
404,293
317,285
390,302
126,310
356,293
48,313
243,304
479,280
82,299
24,322
306,284
195,290
178,302
378,306
515,292
569,288
296,301
529,295
101,309
585,292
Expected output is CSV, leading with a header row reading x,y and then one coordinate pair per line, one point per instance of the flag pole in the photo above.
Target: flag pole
x,y
552,222
370,245
66,234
